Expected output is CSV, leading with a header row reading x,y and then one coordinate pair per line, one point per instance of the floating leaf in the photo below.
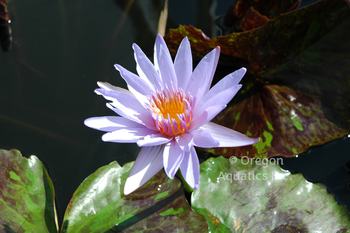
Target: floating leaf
x,y
288,122
253,19
244,15
261,197
330,165
312,104
322,71
26,195
271,45
98,205
291,120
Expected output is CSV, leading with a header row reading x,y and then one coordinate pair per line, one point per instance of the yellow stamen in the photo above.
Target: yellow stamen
x,y
171,111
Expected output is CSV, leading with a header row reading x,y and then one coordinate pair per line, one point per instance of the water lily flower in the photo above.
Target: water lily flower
x,y
167,111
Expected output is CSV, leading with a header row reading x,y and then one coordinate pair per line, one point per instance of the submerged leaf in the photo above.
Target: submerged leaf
x,y
99,205
26,195
261,197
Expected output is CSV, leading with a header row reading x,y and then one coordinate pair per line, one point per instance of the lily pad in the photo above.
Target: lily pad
x,y
248,196
297,90
287,121
267,47
99,205
26,195
244,15
322,71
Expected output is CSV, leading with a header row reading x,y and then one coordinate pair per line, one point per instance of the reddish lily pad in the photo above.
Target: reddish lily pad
x,y
272,44
251,196
26,195
244,15
288,122
312,104
252,19
322,71
99,205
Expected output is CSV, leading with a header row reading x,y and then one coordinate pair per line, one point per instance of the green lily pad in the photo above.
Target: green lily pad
x,y
99,205
26,195
258,196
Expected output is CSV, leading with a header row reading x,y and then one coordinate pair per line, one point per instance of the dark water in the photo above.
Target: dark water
x,y
328,164
47,81
61,48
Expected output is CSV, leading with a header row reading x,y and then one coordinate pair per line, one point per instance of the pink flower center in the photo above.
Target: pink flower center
x,y
171,111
